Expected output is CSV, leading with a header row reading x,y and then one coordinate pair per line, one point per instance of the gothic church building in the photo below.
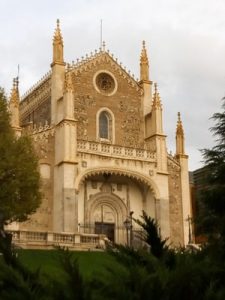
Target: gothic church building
x,y
102,150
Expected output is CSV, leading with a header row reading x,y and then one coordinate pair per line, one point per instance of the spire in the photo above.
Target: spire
x,y
156,102
14,96
14,105
180,130
58,45
144,64
179,136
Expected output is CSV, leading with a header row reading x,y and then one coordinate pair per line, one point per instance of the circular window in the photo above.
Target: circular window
x,y
105,83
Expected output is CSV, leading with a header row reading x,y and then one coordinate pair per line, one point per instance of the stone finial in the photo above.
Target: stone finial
x,y
57,35
144,64
156,102
179,137
179,130
58,45
144,56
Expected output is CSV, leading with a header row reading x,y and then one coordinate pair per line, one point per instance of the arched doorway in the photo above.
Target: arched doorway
x,y
106,201
107,212
105,220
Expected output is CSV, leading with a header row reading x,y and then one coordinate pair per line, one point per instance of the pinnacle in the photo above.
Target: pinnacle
x,y
14,97
57,34
179,130
144,56
156,97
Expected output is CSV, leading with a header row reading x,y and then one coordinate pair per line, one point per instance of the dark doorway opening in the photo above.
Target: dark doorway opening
x,y
106,228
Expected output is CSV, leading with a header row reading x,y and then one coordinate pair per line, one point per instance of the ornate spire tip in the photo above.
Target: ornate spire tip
x,y
143,44
57,23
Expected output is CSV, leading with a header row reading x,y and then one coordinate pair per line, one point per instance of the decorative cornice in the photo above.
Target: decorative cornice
x,y
172,160
86,63
96,58
121,172
36,86
42,132
38,94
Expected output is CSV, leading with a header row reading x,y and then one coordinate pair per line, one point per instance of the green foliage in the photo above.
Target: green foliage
x,y
16,281
19,176
133,275
73,286
151,236
212,212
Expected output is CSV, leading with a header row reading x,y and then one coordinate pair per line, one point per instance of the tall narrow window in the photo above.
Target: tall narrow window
x,y
104,125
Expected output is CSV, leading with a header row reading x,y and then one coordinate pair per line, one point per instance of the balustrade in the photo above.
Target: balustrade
x,y
23,237
114,150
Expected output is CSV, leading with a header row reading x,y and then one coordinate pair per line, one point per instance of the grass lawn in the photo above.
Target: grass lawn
x,y
91,263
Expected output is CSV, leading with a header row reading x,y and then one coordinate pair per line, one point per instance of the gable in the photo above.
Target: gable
x,y
102,83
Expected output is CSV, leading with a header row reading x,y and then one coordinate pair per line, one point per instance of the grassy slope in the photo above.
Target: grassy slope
x,y
91,263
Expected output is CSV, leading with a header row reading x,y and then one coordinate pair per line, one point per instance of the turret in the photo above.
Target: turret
x,y
185,188
58,75
179,137
14,107
144,80
65,170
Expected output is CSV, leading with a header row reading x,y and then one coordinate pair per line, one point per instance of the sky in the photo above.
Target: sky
x,y
185,42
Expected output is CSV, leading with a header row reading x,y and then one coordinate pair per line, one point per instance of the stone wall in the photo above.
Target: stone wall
x,y
42,218
125,104
175,203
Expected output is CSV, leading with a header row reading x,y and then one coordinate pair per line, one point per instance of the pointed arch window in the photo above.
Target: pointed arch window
x,y
105,125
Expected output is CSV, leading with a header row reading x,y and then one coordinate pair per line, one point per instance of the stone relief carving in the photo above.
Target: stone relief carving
x,y
81,104
43,147
175,201
131,124
106,188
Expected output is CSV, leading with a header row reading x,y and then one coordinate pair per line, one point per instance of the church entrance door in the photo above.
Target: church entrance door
x,y
106,228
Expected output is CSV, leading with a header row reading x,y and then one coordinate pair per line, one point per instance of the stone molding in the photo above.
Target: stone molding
x,y
121,172
105,149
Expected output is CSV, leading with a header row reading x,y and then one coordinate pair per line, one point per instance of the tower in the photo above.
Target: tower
x,y
58,74
62,105
185,191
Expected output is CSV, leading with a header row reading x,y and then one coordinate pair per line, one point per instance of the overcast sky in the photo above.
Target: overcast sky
x,y
185,42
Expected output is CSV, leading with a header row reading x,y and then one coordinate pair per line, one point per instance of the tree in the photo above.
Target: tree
x,y
212,214
19,177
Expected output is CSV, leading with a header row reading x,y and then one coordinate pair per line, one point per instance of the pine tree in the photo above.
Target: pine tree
x,y
213,197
